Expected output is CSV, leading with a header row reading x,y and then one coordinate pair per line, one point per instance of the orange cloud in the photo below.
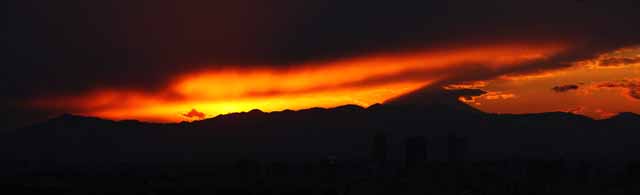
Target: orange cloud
x,y
631,88
598,90
490,95
602,114
466,85
362,80
498,95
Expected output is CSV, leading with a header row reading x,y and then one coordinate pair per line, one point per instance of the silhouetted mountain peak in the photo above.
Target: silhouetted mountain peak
x,y
437,98
626,116
348,107
373,106
67,117
71,125
256,111
251,113
314,109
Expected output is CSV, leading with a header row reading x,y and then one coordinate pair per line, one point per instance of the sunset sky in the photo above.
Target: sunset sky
x,y
172,61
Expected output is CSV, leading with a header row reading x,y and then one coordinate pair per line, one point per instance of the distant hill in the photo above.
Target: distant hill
x,y
345,132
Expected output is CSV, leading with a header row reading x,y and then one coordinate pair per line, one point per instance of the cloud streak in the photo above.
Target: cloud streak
x,y
630,87
564,88
362,80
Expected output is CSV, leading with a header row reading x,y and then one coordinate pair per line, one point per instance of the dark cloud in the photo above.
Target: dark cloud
x,y
632,87
564,88
54,45
468,93
619,61
194,114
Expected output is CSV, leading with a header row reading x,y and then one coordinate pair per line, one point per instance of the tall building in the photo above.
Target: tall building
x,y
457,147
415,151
379,149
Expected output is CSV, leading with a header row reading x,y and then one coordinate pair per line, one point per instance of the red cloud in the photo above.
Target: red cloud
x,y
194,114
632,87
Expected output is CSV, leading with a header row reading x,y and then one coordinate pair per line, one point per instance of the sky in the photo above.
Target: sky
x,y
171,61
599,88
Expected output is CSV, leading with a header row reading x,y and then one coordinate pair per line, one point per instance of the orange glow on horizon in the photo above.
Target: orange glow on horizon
x,y
170,111
604,86
363,81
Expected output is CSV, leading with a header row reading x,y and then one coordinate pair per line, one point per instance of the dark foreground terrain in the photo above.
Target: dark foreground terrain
x,y
439,146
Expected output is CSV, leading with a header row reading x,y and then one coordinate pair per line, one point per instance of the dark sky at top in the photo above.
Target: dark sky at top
x,y
60,47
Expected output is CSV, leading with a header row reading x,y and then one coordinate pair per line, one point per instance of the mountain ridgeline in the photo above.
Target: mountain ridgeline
x,y
345,132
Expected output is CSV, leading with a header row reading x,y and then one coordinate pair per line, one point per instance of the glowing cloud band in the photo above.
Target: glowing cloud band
x,y
363,80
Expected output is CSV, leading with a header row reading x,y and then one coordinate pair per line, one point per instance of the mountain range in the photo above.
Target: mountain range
x,y
344,132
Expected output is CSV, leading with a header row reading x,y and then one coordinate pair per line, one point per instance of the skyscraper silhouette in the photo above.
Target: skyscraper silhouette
x,y
415,151
379,149
457,147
